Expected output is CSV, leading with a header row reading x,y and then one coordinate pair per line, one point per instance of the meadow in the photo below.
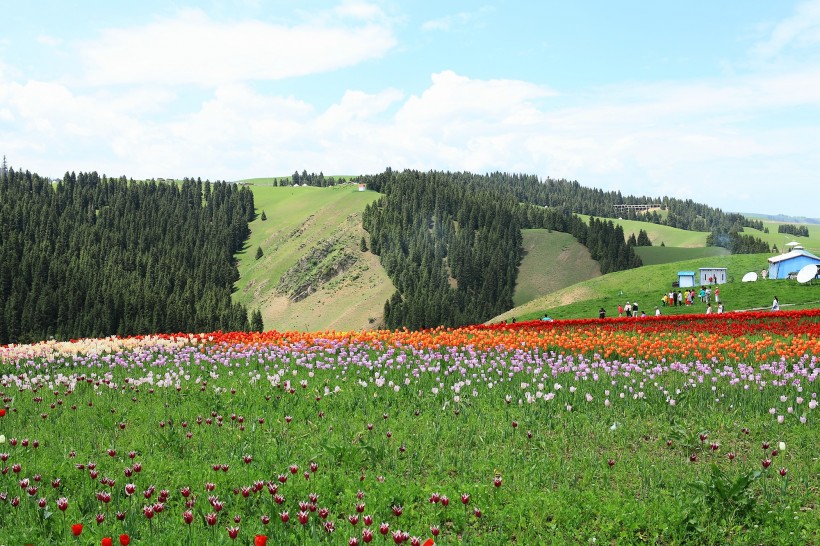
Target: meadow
x,y
677,430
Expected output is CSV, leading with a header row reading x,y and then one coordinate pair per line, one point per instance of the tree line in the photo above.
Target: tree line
x,y
451,244
92,256
800,231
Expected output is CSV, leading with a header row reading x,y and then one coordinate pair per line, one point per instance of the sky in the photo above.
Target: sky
x,y
718,102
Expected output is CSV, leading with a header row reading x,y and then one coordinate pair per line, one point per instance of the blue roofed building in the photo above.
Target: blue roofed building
x,y
788,264
686,279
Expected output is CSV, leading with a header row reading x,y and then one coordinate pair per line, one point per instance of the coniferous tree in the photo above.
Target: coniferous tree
x,y
256,321
95,256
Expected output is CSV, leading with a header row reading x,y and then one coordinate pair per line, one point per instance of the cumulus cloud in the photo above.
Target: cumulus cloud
x,y
191,48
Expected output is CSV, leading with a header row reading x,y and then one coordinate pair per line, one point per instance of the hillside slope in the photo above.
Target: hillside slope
x,y
312,275
552,261
646,285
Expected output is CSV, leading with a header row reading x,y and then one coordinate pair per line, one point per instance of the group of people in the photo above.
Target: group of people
x,y
687,296
628,310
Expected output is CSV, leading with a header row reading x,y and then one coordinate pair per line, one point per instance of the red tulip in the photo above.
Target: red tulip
x,y
125,540
77,529
260,540
106,541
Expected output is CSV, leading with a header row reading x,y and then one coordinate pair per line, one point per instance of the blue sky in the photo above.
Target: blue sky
x,y
714,101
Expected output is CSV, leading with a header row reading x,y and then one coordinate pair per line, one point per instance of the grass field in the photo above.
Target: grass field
x,y
647,284
552,261
299,220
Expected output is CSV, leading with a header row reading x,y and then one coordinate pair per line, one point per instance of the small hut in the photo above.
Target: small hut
x,y
686,279
712,275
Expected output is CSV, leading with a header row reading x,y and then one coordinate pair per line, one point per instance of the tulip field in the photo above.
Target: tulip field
x,y
696,429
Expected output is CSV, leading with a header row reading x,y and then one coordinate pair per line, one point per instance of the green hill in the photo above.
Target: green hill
x,y
312,274
810,243
658,234
647,284
552,261
654,255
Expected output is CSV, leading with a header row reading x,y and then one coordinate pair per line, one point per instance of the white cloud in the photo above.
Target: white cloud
x,y
193,49
360,10
448,22
50,41
712,140
799,30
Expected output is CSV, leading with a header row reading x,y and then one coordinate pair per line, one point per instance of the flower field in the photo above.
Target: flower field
x,y
669,430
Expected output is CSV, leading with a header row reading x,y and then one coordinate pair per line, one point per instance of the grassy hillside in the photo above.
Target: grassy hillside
x,y
658,234
552,261
647,284
654,255
811,243
311,238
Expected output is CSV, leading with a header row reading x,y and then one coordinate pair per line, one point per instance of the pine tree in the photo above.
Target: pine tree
x,y
259,252
256,321
363,244
264,216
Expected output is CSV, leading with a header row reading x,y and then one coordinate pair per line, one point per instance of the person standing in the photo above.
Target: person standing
x,y
635,309
717,295
776,304
708,308
620,310
602,313
657,311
